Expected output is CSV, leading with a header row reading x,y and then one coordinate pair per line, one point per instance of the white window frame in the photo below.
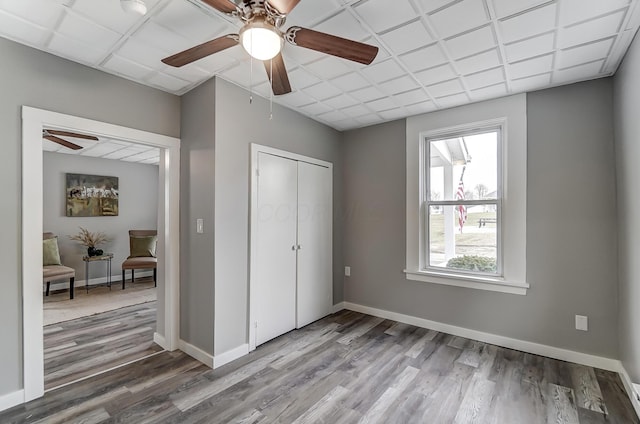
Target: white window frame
x,y
427,138
510,112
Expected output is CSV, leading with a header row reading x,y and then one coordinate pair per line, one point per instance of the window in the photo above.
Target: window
x,y
462,202
466,199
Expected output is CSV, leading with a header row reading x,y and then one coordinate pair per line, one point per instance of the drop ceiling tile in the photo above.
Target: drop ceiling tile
x,y
343,25
531,67
498,90
161,38
427,57
329,67
592,30
407,37
241,75
75,50
530,47
98,37
382,52
367,94
509,7
385,103
586,53
411,97
322,91
579,10
316,108
296,99
49,146
345,124
531,83
38,12
393,114
192,72
383,71
332,116
485,78
300,78
350,82
168,82
299,55
222,60
139,52
399,85
127,68
451,101
123,153
109,14
308,12
534,22
459,17
437,74
472,42
431,5
340,102
356,111
420,108
479,62
446,88
18,29
370,11
369,119
578,73
191,22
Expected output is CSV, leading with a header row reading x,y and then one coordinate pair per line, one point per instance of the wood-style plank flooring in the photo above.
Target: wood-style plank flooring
x,y
346,368
85,346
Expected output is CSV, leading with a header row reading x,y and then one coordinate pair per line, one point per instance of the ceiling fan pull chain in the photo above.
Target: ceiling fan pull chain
x,y
251,81
271,94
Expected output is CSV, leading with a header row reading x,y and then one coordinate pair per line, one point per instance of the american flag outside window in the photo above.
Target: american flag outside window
x,y
462,209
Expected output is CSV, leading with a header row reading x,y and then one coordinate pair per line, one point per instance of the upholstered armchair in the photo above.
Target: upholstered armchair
x,y
142,253
52,269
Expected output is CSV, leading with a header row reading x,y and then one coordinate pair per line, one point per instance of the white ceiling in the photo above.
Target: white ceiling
x,y
107,148
434,54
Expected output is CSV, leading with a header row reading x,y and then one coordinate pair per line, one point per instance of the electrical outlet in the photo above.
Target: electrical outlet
x,y
200,226
582,323
347,271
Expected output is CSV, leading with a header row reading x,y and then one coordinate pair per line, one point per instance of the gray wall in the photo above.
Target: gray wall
x,y
137,208
237,125
627,131
37,79
571,242
197,201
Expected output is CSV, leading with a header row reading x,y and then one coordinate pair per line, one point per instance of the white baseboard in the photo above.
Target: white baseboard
x,y
160,340
338,307
633,390
230,355
522,345
196,353
11,399
95,281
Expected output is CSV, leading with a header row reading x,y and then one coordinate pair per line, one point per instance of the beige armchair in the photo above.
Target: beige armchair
x,y
142,253
52,269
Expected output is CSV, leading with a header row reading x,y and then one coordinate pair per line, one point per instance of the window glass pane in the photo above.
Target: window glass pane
x,y
464,167
463,237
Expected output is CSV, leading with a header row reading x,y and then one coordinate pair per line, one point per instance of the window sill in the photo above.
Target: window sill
x,y
472,282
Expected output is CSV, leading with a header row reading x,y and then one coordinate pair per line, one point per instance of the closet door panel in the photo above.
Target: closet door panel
x,y
315,275
275,294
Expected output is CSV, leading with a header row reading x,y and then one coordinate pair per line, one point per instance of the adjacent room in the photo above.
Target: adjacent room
x,y
303,211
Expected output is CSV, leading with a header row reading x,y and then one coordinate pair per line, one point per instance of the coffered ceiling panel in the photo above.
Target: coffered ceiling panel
x,y
433,54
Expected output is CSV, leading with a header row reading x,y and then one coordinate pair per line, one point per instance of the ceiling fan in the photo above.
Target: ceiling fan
x,y
52,135
262,38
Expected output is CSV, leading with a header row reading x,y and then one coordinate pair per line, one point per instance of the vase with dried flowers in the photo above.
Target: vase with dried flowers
x,y
91,240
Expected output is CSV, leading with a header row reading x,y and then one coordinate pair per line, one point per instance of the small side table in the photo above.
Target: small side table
x,y
89,259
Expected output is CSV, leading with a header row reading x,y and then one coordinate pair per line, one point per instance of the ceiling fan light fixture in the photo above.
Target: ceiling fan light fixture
x,y
134,6
261,40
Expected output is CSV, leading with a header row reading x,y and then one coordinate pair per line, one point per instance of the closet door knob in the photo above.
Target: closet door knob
x,y
293,247
299,247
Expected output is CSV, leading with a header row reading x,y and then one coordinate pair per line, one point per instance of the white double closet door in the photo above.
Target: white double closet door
x,y
292,280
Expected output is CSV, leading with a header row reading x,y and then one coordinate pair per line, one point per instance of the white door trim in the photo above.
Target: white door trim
x,y
33,120
253,212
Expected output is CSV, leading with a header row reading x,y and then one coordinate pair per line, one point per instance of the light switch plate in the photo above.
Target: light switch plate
x,y
347,271
200,226
582,323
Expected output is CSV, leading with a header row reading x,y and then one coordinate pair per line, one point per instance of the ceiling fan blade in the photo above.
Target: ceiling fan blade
x,y
330,44
202,50
62,142
70,134
280,81
224,6
283,6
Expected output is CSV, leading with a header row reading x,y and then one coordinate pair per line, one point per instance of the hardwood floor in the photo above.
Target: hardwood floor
x,y
81,347
346,368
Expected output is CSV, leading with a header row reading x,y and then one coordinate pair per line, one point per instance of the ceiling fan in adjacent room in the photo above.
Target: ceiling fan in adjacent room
x,y
263,39
54,135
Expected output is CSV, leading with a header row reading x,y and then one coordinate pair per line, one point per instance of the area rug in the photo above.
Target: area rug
x,y
58,307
